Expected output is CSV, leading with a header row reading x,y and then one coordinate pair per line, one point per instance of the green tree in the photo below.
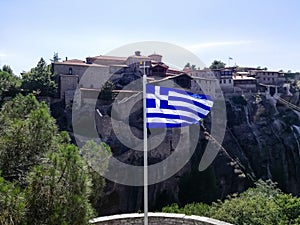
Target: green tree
x,y
200,209
39,79
97,156
9,84
290,208
12,203
188,65
262,205
59,189
107,91
8,69
27,132
55,181
217,65
255,206
193,67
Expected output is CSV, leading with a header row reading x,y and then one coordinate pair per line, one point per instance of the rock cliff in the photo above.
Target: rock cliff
x,y
261,141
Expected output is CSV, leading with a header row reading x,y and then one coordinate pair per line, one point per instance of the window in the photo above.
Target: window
x,y
224,81
70,71
229,81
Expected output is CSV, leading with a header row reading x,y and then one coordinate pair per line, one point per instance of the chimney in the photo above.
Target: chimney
x,y
137,53
66,58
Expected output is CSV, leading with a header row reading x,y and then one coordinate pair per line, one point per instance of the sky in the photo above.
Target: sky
x,y
253,32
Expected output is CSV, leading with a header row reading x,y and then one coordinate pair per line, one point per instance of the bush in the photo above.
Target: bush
x,y
200,209
262,205
107,91
59,189
12,203
254,206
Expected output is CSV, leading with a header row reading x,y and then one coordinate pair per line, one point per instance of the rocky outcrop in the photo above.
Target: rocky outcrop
x,y
261,142
269,138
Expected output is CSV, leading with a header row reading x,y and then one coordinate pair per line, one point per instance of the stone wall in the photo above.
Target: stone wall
x,y
75,69
204,85
67,82
156,219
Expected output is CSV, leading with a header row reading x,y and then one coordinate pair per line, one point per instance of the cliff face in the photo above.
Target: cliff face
x,y
264,135
261,141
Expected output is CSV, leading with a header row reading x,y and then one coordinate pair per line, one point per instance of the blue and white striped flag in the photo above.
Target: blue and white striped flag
x,y
169,107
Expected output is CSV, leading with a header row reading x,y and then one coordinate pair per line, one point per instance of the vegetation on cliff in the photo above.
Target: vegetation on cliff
x,y
44,179
40,79
261,205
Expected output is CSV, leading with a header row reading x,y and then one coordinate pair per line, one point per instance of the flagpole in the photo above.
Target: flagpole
x,y
145,150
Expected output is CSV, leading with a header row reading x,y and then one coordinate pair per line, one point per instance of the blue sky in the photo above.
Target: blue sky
x,y
253,33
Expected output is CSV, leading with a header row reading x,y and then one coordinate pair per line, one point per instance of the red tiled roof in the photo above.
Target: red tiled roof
x,y
76,62
159,64
174,71
171,77
108,57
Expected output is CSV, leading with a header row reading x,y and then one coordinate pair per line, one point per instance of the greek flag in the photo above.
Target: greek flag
x,y
169,107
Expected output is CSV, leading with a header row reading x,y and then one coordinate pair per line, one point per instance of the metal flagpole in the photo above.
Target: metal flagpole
x,y
145,150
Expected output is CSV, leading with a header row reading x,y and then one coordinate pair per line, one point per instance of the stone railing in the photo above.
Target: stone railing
x,y
156,219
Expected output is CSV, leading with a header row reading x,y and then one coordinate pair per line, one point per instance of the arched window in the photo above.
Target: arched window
x,y
70,71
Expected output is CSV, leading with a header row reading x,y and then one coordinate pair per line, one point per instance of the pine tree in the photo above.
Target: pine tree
x,y
40,80
27,132
59,189
12,203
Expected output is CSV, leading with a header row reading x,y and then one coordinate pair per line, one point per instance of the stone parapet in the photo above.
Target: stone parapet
x,y
156,219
